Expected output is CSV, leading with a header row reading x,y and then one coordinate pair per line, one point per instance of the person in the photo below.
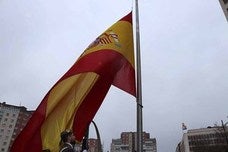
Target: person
x,y
67,141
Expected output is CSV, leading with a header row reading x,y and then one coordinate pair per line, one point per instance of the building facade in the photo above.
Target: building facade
x,y
118,146
127,143
93,145
224,5
12,120
211,139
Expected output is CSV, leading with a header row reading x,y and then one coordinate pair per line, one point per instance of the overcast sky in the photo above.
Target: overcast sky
x,y
184,49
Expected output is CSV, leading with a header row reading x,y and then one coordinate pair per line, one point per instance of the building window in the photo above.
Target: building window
x,y
225,1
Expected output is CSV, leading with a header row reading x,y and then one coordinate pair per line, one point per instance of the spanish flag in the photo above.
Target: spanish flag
x,y
74,100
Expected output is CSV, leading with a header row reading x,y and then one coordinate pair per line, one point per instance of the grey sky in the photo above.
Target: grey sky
x,y
184,60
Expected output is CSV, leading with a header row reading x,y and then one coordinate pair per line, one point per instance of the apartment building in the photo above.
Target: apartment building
x,y
93,145
127,143
211,139
12,120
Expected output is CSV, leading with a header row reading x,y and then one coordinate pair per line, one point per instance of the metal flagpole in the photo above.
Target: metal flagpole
x,y
139,83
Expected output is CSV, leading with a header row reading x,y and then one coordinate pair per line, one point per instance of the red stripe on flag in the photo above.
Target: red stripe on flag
x,y
127,18
107,63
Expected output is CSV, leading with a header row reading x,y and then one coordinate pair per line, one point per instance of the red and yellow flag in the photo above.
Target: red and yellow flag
x,y
74,100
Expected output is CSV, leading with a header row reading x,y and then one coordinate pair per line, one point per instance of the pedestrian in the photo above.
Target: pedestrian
x,y
67,141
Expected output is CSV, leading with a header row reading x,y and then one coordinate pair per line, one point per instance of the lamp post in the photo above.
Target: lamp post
x,y
98,137
86,137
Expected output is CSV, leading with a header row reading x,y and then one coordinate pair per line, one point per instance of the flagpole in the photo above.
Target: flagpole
x,y
139,83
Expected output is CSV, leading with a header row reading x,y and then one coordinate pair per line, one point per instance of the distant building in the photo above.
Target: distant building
x,y
12,120
211,139
224,5
118,146
93,145
127,143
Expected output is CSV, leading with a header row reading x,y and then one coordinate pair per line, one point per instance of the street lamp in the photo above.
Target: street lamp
x,y
85,139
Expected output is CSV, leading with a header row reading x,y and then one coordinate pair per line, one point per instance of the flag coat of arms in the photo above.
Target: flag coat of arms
x,y
76,97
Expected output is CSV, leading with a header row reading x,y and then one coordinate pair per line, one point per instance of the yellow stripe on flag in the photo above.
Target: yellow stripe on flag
x,y
121,44
63,101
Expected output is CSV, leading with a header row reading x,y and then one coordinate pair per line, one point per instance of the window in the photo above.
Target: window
x,y
225,1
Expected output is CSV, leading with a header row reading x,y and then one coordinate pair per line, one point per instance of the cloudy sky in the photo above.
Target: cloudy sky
x,y
184,60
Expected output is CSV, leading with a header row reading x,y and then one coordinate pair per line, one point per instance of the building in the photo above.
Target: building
x,y
118,146
211,139
127,143
224,5
93,145
150,145
12,120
